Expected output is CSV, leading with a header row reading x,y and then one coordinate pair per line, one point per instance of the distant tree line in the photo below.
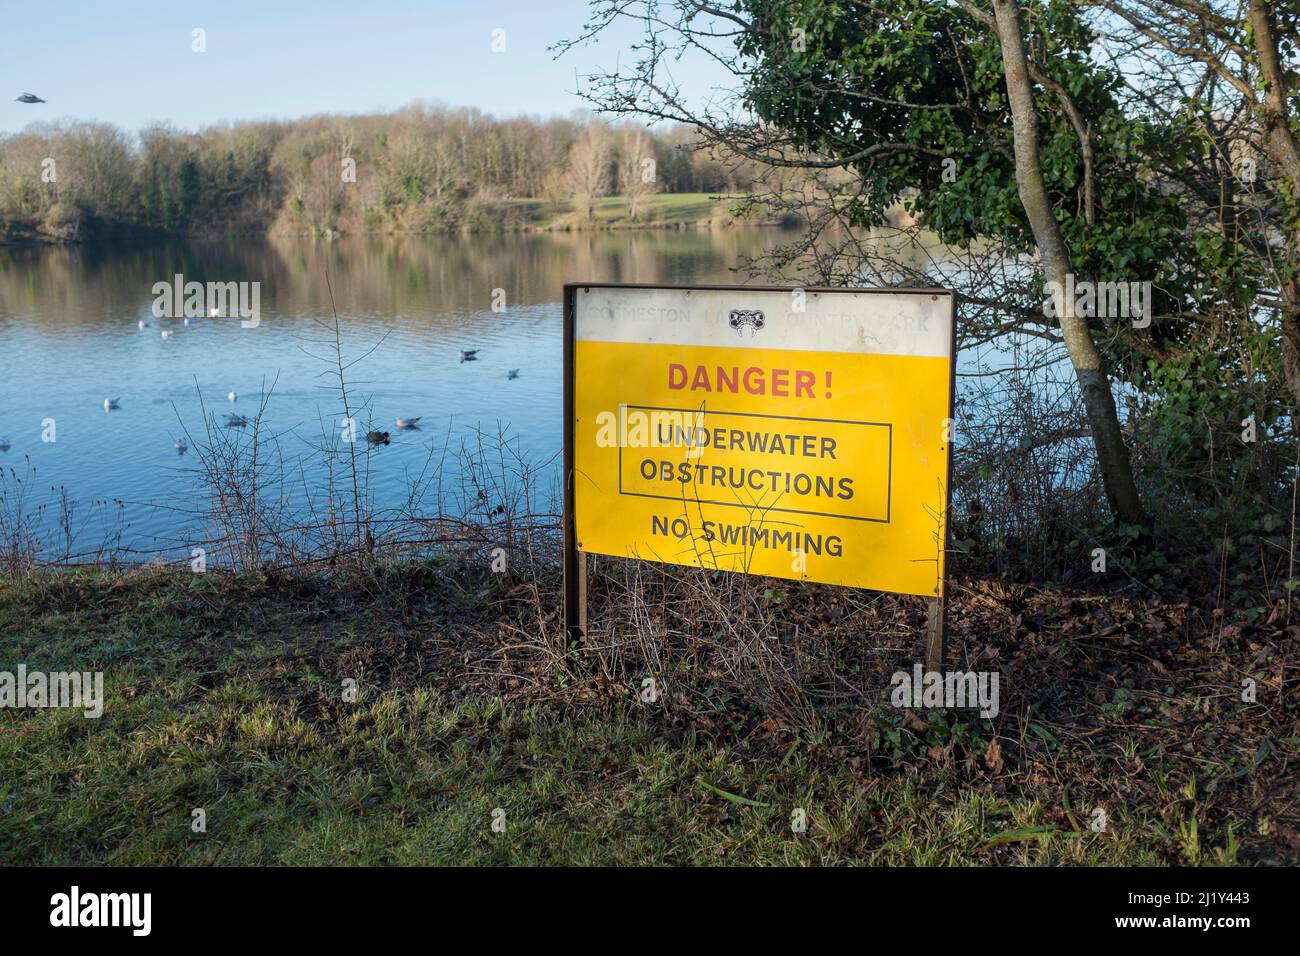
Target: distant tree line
x,y
420,169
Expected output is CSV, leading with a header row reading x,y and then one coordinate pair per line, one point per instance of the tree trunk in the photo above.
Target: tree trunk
x,y
1283,147
1112,454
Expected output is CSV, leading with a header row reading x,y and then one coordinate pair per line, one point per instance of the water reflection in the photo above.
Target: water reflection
x,y
71,338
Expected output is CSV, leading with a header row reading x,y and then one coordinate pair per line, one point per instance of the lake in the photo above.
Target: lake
x,y
71,337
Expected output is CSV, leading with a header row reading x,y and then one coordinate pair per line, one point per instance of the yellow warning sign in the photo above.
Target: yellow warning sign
x,y
797,433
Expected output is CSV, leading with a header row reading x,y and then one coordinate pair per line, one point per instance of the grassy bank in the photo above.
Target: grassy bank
x,y
225,693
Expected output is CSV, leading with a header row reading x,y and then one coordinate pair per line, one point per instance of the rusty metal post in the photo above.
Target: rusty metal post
x,y
934,636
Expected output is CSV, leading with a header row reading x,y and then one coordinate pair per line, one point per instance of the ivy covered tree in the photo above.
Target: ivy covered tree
x,y
991,120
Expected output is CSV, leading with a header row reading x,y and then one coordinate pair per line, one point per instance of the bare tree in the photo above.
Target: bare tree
x,y
589,164
1228,60
555,188
638,173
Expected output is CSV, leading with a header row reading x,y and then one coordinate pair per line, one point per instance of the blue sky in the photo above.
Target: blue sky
x,y
130,63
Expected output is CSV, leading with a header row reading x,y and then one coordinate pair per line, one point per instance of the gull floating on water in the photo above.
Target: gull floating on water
x,y
408,422
29,98
142,324
513,373
468,355
111,403
180,446
166,333
4,444
377,438
236,421
231,396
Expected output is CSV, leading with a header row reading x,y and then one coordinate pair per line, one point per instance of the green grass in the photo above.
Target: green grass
x,y
612,211
226,695
413,778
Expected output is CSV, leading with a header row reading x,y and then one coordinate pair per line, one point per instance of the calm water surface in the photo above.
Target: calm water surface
x,y
69,338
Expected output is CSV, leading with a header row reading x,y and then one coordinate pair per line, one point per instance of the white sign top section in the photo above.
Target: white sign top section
x,y
876,323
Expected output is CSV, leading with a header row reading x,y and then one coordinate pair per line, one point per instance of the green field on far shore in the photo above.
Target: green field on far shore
x,y
661,209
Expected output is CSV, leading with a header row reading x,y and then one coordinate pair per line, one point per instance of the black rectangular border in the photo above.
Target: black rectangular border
x,y
889,472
